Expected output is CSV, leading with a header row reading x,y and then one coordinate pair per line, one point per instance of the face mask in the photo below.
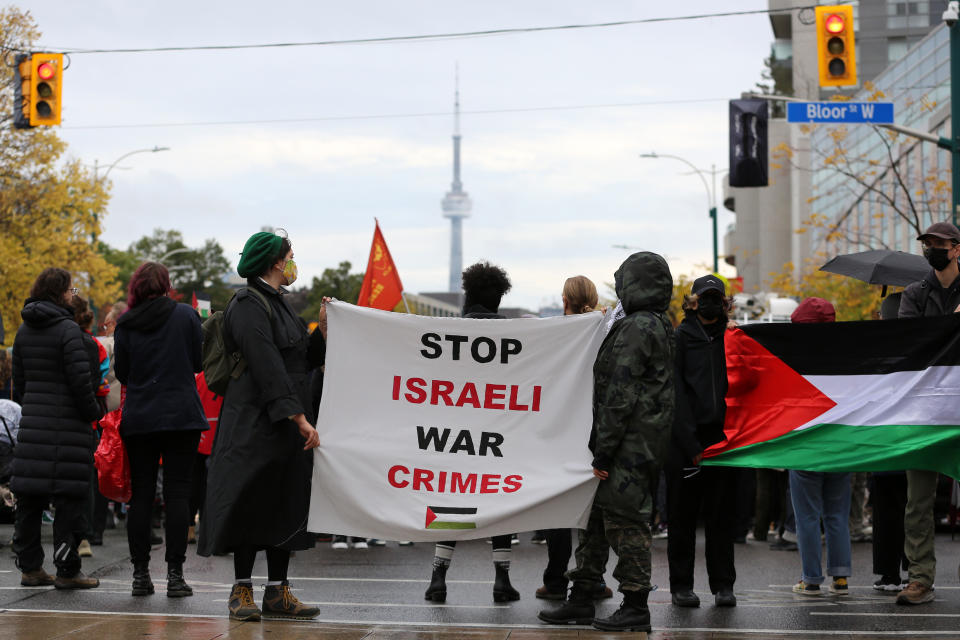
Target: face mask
x,y
937,258
290,272
710,309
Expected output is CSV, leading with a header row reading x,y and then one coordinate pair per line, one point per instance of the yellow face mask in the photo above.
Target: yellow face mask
x,y
290,272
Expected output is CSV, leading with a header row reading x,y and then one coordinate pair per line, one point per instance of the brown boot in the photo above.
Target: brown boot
x,y
76,581
279,602
241,604
916,593
36,578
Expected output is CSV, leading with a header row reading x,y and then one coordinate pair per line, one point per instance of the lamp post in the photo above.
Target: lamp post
x,y
127,155
711,195
951,17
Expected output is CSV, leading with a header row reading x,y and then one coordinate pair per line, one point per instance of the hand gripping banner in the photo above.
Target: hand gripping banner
x,y
452,428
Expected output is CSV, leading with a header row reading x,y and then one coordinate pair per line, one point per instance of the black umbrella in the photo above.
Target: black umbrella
x,y
880,266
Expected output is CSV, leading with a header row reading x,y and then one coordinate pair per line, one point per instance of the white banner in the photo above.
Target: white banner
x,y
451,428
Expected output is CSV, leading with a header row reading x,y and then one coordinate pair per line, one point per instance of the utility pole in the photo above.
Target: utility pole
x,y
950,17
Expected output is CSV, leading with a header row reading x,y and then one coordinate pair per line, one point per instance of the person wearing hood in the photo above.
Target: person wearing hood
x,y
936,295
53,460
157,348
261,465
820,496
701,385
484,286
633,405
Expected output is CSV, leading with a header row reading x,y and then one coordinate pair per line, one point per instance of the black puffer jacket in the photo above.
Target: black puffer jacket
x,y
157,349
52,374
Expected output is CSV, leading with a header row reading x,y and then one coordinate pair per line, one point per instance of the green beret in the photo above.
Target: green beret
x,y
257,253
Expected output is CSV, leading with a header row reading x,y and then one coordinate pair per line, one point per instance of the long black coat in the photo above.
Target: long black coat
x,y
258,483
52,374
157,349
701,387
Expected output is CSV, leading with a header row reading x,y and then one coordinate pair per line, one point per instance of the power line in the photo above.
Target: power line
x,y
435,36
386,116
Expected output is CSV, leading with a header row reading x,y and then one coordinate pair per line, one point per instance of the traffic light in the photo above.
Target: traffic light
x,y
748,143
836,50
38,89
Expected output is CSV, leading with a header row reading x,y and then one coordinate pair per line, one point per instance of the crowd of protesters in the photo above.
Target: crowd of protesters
x,y
226,455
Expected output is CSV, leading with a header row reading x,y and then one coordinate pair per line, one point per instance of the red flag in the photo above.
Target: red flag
x,y
381,288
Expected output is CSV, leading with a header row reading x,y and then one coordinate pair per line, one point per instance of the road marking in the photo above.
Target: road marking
x,y
893,615
476,625
402,604
332,579
790,586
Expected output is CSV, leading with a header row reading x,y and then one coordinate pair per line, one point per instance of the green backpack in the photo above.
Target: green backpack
x,y
221,364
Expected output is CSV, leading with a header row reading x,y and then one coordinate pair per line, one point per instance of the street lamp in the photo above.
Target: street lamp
x,y
127,155
171,253
711,194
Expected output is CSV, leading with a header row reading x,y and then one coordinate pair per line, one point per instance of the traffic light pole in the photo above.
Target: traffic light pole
x,y
954,140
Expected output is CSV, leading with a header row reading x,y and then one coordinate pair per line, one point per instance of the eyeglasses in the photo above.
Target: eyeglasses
x,y
74,291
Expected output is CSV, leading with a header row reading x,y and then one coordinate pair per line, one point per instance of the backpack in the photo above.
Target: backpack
x,y
220,362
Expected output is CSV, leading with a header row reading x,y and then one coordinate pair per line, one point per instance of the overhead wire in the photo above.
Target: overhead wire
x,y
434,36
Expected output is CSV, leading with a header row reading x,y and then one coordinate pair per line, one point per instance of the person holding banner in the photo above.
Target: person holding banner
x,y
258,482
633,404
579,296
484,285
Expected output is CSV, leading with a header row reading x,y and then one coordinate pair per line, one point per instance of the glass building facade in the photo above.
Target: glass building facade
x,y
872,189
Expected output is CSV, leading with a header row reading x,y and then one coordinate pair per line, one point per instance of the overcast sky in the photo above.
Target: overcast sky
x,y
553,187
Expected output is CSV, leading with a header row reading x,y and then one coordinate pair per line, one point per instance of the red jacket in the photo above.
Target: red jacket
x,y
211,408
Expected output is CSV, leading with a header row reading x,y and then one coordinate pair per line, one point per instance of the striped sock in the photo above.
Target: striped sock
x,y
501,558
443,554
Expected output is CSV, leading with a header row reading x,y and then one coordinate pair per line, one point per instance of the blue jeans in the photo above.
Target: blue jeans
x,y
826,496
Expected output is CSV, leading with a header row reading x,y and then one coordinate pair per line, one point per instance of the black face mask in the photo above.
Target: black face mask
x,y
710,309
937,258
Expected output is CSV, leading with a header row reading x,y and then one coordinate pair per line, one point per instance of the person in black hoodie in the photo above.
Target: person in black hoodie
x,y
484,285
53,460
157,348
701,385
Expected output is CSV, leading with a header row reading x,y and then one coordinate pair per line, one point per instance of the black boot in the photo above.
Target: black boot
x,y
437,591
633,614
177,587
503,591
142,585
578,609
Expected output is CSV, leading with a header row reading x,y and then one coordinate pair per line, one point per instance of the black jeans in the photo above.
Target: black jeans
x,y
178,450
68,525
889,495
559,550
713,489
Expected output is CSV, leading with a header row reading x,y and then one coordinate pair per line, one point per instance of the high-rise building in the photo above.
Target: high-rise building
x,y
456,204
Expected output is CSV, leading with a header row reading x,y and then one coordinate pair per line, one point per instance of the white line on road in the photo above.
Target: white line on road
x,y
477,625
892,615
333,579
404,605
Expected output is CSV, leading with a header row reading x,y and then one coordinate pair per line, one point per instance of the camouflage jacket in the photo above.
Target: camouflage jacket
x,y
633,393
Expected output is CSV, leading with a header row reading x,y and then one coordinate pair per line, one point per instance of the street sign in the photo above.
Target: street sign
x,y
840,112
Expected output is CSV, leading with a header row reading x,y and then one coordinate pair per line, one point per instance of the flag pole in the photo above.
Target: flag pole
x,y
403,296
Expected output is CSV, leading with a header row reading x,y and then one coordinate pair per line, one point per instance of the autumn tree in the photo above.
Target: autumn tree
x,y
51,207
336,283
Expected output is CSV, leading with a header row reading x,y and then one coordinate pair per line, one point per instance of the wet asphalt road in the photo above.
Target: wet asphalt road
x,y
385,585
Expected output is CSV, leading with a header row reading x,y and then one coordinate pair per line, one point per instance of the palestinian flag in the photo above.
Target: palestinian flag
x,y
451,518
880,395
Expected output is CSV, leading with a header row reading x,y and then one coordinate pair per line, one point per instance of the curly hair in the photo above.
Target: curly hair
x,y
150,280
81,313
51,284
484,284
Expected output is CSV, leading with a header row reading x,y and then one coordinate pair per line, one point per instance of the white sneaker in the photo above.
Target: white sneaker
x,y
84,550
360,544
340,542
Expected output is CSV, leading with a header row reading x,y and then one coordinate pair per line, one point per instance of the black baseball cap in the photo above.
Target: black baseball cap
x,y
706,283
943,230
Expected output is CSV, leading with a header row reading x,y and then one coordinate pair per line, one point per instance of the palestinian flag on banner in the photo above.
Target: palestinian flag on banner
x,y
451,518
880,395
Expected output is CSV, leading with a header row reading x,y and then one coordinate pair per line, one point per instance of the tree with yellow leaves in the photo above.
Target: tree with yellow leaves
x,y
853,299
51,208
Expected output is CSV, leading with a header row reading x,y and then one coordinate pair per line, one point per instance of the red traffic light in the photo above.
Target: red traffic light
x,y
46,71
834,23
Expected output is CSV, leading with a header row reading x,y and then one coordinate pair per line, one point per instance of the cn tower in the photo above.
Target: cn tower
x,y
456,204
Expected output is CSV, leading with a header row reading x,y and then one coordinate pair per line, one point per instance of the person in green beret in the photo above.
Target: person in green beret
x,y
258,487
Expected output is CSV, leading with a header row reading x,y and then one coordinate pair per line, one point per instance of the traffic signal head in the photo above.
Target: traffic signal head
x,y
836,51
748,143
38,86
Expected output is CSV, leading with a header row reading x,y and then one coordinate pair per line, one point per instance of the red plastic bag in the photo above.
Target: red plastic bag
x,y
113,464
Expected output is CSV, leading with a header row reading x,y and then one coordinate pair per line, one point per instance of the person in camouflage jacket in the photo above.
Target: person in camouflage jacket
x,y
633,405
